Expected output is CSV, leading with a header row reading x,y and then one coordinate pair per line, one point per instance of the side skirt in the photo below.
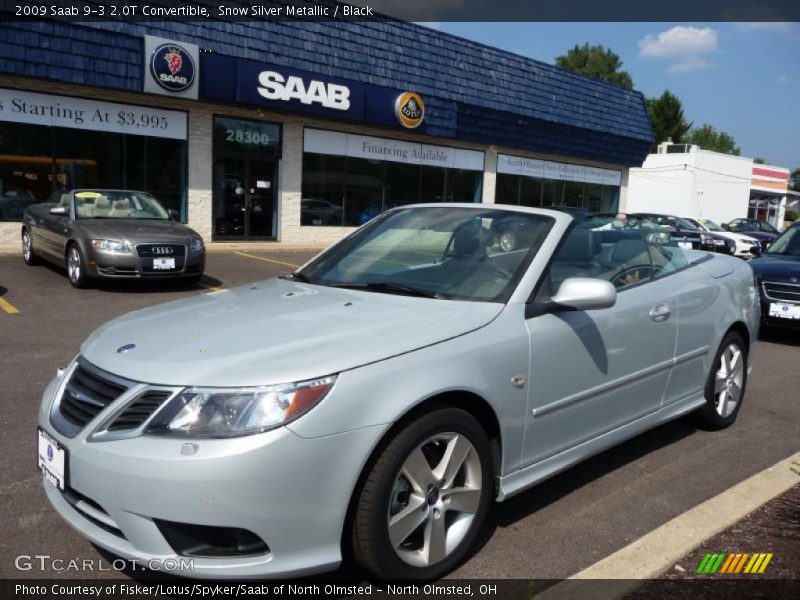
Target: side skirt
x,y
519,481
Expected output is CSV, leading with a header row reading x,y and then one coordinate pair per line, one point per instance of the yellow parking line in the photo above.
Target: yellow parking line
x,y
269,260
8,307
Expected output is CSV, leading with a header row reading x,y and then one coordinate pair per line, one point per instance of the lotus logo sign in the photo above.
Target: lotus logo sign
x,y
172,67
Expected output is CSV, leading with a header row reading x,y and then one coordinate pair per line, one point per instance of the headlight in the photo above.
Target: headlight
x,y
233,412
706,239
114,246
719,242
197,244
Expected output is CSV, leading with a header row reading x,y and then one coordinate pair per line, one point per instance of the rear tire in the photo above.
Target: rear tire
x,y
425,498
28,253
76,267
726,384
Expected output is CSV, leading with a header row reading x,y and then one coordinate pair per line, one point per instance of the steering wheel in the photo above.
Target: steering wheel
x,y
619,278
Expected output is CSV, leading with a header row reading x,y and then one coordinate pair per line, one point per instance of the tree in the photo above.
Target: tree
x,y
667,119
760,161
708,138
595,61
794,180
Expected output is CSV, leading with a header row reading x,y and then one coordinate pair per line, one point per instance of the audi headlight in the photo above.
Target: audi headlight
x,y
113,246
233,412
197,244
706,239
718,242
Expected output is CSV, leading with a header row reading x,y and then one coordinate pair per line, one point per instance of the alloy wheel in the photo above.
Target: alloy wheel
x,y
434,500
74,264
508,241
26,246
729,379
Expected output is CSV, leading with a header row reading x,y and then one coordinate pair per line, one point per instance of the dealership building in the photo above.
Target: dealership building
x,y
298,131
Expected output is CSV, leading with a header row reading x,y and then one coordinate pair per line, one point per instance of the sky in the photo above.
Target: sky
x,y
742,78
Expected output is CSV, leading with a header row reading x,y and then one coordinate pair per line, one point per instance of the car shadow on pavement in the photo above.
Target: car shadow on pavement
x,y
145,286
563,484
788,336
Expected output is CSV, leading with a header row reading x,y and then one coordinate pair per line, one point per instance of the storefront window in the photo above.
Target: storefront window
x,y
464,185
530,191
323,190
37,160
535,191
349,179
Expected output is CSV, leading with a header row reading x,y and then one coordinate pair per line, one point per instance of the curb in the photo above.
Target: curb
x,y
655,552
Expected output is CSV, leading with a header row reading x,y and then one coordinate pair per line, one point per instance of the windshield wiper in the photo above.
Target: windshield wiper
x,y
390,288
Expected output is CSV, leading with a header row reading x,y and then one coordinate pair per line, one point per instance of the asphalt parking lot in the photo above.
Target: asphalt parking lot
x,y
551,531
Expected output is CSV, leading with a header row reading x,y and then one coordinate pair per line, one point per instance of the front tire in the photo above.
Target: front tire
x,y
76,267
28,254
725,385
425,498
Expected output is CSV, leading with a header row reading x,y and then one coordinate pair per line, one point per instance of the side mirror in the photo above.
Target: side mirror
x,y
62,211
725,226
755,250
583,293
174,214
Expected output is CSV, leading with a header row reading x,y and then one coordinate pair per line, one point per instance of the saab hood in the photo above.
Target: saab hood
x,y
275,331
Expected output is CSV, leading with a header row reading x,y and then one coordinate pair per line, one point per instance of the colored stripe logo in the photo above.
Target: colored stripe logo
x,y
732,563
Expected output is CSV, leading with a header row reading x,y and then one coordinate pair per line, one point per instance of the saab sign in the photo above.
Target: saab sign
x,y
243,81
171,67
274,86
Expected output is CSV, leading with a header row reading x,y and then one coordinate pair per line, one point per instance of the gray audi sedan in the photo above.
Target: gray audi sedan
x,y
377,401
119,234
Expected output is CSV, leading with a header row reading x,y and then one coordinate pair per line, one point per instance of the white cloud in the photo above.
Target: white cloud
x,y
680,41
693,63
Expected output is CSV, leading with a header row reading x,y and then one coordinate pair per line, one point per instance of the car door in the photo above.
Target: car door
x,y
591,372
54,228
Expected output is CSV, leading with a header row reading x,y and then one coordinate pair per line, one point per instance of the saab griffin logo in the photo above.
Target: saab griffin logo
x,y
409,109
172,67
741,562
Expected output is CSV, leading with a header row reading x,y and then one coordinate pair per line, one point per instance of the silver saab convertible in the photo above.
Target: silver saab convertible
x,y
117,234
378,400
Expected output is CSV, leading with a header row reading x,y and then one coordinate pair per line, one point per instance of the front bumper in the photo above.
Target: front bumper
x,y
290,491
132,266
778,292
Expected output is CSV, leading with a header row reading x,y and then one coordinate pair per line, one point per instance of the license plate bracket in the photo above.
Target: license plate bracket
x,y
161,263
52,459
784,310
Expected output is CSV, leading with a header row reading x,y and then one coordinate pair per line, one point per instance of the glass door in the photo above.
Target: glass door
x,y
246,155
244,198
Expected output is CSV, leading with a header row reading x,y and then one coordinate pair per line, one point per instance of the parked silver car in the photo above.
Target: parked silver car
x,y
384,395
121,234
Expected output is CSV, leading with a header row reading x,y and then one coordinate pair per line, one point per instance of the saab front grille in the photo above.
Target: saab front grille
x,y
160,250
789,292
86,394
139,410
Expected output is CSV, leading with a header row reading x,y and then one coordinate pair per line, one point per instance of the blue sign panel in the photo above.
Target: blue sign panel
x,y
242,81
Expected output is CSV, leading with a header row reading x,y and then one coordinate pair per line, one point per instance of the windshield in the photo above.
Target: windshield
x,y
787,243
711,225
439,252
113,204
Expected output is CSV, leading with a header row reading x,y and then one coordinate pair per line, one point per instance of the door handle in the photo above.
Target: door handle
x,y
660,312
